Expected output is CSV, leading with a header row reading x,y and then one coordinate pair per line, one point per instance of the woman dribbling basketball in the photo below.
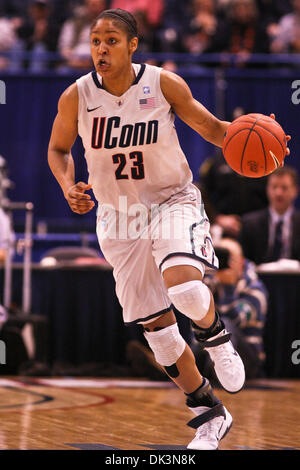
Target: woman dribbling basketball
x,y
124,113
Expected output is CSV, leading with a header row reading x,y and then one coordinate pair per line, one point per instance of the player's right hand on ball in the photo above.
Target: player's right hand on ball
x,y
288,137
79,202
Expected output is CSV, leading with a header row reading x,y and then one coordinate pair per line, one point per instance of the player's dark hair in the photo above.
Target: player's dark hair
x,y
287,170
124,20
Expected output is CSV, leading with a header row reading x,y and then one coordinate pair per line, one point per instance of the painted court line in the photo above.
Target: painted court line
x,y
100,383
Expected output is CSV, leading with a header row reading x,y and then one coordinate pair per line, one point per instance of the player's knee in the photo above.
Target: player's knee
x,y
168,346
191,298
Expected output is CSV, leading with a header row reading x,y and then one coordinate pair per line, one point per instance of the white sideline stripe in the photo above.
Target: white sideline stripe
x,y
9,383
86,383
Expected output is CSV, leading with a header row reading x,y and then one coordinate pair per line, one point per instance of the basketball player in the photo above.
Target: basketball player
x,y
124,115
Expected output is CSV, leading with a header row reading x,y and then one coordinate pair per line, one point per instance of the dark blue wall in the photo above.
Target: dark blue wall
x,y
26,121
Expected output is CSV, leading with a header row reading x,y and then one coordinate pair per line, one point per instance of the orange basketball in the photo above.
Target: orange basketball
x,y
254,145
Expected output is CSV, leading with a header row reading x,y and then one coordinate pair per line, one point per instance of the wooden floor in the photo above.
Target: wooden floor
x,y
87,413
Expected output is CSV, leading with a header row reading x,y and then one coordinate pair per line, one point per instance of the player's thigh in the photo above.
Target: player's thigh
x,y
179,273
139,284
183,236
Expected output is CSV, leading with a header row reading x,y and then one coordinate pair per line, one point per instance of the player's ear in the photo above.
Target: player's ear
x,y
133,45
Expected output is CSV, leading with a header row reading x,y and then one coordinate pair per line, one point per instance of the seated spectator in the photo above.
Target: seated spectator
x,y
204,29
74,39
174,24
241,300
286,38
271,12
243,32
8,39
274,232
38,33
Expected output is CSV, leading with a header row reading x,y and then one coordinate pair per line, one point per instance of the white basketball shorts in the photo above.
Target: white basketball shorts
x,y
141,244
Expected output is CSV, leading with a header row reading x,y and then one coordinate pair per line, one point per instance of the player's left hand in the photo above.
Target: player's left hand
x,y
288,137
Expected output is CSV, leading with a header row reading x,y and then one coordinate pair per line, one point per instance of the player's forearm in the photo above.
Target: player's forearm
x,y
207,125
216,132
62,167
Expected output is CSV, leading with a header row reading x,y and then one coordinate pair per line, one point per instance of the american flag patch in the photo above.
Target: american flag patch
x,y
147,103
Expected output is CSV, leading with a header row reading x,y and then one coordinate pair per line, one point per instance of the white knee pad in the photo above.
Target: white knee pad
x,y
191,298
167,344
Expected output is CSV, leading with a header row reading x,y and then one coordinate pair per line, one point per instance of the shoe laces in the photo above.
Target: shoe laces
x,y
209,429
224,352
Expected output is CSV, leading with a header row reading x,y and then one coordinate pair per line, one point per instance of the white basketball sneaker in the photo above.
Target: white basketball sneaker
x,y
211,431
228,365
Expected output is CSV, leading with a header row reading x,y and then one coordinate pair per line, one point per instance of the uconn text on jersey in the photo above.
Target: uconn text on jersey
x,y
129,135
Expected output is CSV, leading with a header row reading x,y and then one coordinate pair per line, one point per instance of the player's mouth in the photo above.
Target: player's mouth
x,y
103,65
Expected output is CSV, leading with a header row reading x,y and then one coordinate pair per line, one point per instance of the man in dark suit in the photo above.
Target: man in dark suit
x,y
274,233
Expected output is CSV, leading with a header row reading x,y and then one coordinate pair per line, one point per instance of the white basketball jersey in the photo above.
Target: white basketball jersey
x,y
131,145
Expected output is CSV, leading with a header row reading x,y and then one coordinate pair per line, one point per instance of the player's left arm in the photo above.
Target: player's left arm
x,y
194,114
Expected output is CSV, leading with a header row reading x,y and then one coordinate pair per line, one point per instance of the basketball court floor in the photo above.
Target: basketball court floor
x,y
100,414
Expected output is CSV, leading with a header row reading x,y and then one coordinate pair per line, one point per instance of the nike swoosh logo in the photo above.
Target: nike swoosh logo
x,y
93,109
274,158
